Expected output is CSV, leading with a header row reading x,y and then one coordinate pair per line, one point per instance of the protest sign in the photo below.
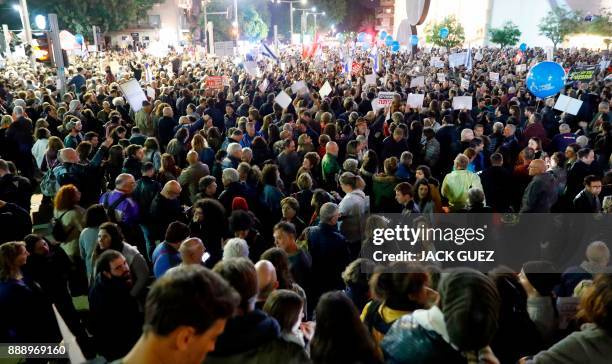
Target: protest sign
x,y
325,89
264,85
384,99
568,104
283,99
251,68
214,83
224,49
494,76
133,93
521,68
582,73
370,79
68,339
457,59
462,102
299,87
441,77
478,57
151,92
418,81
415,100
465,84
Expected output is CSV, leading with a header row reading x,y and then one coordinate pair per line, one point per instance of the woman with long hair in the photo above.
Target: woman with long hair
x,y
110,237
340,337
422,196
205,153
39,148
54,145
272,195
369,168
280,260
152,153
168,171
27,314
287,308
113,165
69,215
94,217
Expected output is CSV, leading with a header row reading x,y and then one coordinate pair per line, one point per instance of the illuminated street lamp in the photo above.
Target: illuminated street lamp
x,y
291,9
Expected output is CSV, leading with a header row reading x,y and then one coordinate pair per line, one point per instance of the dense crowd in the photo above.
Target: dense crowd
x,y
274,203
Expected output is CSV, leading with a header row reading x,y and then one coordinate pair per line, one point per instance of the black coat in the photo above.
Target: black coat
x,y
575,178
586,203
163,212
497,184
116,322
15,223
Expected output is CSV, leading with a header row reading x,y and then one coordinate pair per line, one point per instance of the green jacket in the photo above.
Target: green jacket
x,y
144,122
456,186
330,167
383,189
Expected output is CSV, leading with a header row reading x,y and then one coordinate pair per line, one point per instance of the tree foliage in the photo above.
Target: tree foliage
x,y
508,35
557,24
252,25
456,33
253,19
78,16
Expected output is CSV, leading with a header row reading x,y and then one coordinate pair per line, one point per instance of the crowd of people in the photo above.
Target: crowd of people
x,y
213,224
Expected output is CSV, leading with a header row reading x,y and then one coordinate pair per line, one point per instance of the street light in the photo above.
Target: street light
x,y
315,14
40,21
291,2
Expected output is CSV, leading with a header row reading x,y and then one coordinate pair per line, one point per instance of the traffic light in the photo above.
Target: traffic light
x,y
40,47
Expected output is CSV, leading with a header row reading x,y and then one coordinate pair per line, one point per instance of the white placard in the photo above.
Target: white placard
x,y
376,105
417,81
115,66
264,85
72,346
549,54
299,87
133,93
521,68
441,77
325,89
283,99
224,49
465,84
494,76
415,100
568,104
478,57
251,68
385,99
151,92
462,102
370,79
457,59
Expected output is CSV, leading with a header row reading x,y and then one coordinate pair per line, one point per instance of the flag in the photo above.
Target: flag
x,y
268,52
356,68
376,61
468,63
348,65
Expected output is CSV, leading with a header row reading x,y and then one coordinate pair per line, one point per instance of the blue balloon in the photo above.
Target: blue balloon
x,y
383,35
523,47
79,38
546,79
443,33
414,39
395,46
361,37
389,40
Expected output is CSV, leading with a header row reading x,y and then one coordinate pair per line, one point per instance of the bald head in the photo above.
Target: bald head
x,y
266,279
172,190
331,148
537,167
192,157
192,250
69,155
125,183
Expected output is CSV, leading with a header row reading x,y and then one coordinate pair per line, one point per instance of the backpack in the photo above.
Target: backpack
x,y
110,209
49,184
57,229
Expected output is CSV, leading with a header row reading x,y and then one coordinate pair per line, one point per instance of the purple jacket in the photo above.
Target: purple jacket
x,y
126,212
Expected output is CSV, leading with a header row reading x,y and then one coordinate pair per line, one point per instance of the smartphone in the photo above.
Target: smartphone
x,y
205,257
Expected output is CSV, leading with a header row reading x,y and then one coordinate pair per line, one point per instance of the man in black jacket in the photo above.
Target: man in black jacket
x,y
166,208
115,319
497,183
587,200
582,168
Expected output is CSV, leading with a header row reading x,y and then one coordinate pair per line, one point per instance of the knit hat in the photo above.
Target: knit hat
x,y
239,203
542,275
470,303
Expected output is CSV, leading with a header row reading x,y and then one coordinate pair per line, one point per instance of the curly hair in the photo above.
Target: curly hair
x,y
66,198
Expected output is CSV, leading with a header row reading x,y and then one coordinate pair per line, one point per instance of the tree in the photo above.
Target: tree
x,y
253,26
508,35
335,11
78,16
558,24
456,33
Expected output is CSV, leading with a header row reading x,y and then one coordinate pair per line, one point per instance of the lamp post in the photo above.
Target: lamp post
x,y
315,14
291,9
236,20
303,20
22,8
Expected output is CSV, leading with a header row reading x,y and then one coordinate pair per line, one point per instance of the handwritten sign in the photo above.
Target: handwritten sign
x,y
462,102
415,100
